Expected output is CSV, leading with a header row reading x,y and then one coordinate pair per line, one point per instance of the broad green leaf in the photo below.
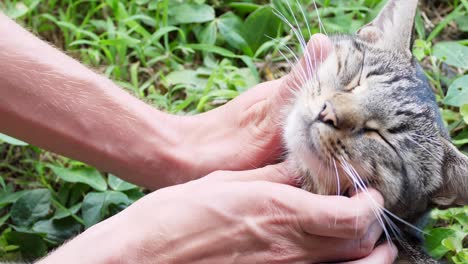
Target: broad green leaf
x,y
464,111
118,184
30,207
134,194
242,7
57,230
457,94
462,22
12,141
20,8
189,77
32,246
453,244
231,28
208,34
187,13
89,176
259,26
4,218
452,53
96,205
433,241
62,213
461,257
8,198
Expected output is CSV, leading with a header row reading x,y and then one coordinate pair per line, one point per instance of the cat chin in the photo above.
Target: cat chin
x,y
315,175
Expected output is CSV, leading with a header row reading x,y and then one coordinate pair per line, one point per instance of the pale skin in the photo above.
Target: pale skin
x,y
235,214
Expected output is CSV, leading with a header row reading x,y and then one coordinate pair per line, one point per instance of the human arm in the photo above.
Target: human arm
x,y
52,101
234,217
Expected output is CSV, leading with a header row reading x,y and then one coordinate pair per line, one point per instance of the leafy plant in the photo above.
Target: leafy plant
x,y
190,56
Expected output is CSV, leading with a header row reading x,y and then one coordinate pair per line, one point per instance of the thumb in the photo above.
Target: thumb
x,y
279,173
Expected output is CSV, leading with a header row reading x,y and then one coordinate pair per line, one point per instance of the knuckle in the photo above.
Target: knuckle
x,y
366,246
362,226
281,171
354,225
283,252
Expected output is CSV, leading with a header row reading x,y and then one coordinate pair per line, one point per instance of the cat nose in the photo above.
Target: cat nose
x,y
328,115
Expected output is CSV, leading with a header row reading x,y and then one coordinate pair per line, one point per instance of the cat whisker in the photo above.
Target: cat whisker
x,y
353,174
302,75
358,185
302,42
321,27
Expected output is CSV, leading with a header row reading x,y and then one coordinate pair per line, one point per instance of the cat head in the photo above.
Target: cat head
x,y
368,117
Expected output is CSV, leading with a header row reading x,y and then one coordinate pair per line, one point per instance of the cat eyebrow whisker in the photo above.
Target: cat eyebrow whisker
x,y
301,40
308,72
302,75
321,26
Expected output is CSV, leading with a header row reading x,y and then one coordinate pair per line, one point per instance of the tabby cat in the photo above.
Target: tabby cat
x,y
368,117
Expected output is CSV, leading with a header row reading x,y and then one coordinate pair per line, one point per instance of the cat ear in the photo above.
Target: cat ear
x,y
454,190
393,27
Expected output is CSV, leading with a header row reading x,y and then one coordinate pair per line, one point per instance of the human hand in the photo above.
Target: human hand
x,y
384,254
232,217
246,132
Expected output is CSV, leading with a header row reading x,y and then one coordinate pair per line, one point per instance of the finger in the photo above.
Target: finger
x,y
385,254
317,50
278,173
336,216
336,249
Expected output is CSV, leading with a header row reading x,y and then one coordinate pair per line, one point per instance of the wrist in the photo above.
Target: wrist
x,y
100,244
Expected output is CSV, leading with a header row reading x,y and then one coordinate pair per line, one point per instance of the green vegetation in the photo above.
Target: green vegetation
x,y
191,56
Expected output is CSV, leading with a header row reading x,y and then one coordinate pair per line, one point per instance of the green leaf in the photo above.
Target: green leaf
x,y
208,34
260,25
20,9
8,198
211,48
12,141
62,213
87,175
452,53
188,77
163,31
464,112
230,27
96,205
433,241
457,94
3,219
57,230
30,207
242,7
452,244
32,246
120,185
187,13
462,22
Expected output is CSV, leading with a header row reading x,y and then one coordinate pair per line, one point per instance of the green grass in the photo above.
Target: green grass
x,y
192,56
